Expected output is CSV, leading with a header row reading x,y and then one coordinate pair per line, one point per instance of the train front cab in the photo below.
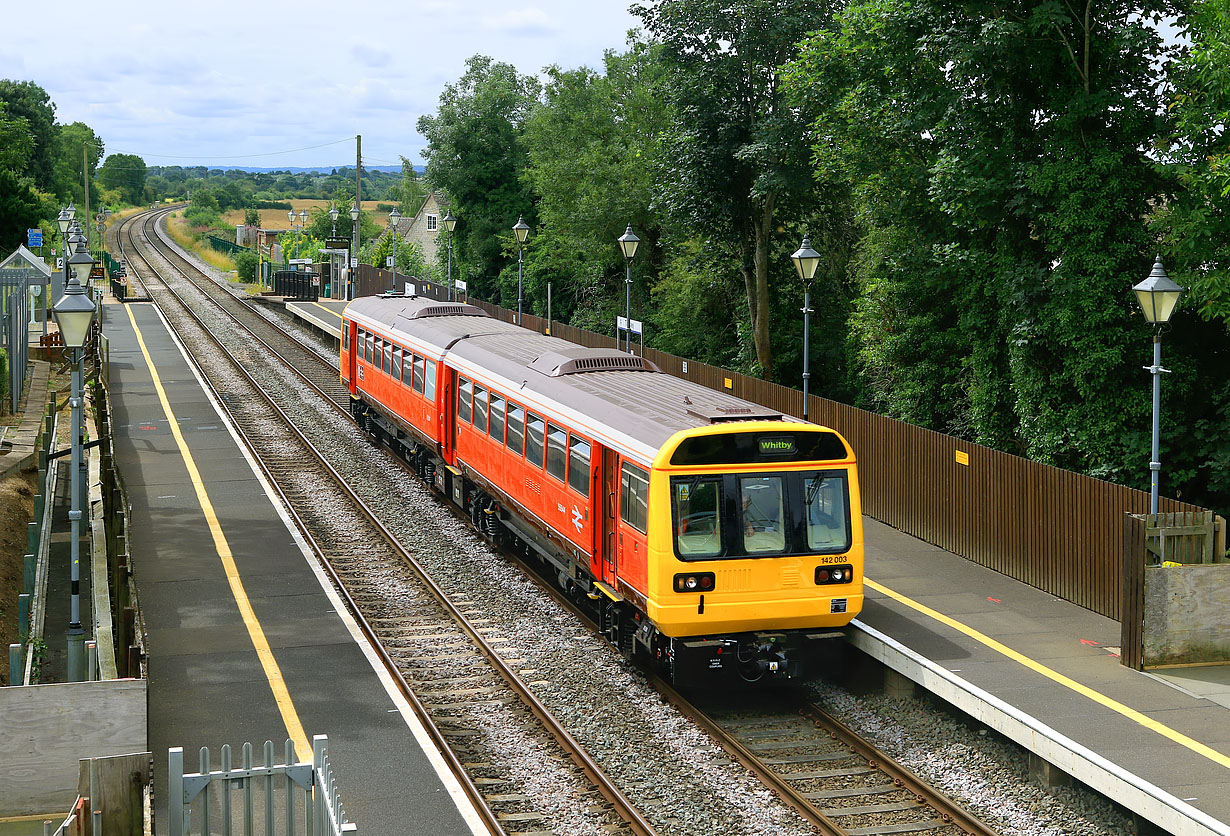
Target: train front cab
x,y
755,548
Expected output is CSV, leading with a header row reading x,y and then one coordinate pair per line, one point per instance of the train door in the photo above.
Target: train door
x,y
610,516
448,412
349,352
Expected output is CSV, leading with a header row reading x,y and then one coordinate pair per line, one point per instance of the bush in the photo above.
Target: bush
x,y
245,266
4,380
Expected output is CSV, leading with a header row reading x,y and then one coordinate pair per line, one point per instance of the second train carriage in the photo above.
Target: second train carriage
x,y
715,536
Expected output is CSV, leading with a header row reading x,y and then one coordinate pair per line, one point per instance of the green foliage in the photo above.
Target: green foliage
x,y
409,256
126,174
4,380
25,100
245,266
475,153
251,217
20,209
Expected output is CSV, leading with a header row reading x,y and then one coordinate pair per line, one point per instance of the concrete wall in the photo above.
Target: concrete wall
x,y
46,729
1186,614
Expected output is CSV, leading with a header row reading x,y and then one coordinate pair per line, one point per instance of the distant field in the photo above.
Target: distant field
x,y
276,218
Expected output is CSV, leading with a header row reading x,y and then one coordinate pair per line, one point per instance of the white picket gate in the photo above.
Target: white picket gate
x,y
204,802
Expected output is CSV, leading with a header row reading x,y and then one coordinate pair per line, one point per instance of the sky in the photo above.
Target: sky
x,y
275,83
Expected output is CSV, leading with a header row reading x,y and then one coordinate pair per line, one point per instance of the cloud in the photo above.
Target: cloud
x,y
529,21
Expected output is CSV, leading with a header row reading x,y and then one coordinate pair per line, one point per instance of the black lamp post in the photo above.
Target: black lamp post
x,y
522,230
1158,296
450,223
333,218
74,313
628,242
806,260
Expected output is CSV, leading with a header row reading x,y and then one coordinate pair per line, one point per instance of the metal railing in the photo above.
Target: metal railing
x,y
309,794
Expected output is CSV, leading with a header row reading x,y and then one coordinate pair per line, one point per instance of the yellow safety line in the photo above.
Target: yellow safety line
x,y
1130,713
330,311
272,672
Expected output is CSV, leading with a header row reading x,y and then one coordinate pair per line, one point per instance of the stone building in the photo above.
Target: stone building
x,y
426,225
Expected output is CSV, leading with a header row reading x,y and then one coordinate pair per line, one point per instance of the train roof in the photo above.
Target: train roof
x,y
602,388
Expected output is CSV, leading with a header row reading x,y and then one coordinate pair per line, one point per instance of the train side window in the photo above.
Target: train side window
x,y
495,427
387,363
377,345
345,336
480,409
429,379
578,465
407,367
557,451
418,374
368,341
516,428
465,399
634,497
534,439
397,363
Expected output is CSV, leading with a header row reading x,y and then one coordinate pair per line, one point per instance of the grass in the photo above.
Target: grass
x,y
276,218
180,233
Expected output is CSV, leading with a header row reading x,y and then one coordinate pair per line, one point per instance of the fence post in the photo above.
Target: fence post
x,y
175,791
1131,641
16,663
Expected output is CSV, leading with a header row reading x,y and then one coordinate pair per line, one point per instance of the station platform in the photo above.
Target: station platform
x,y
247,639
1040,670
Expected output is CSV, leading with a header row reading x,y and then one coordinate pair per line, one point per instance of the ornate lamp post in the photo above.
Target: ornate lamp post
x,y
806,260
628,242
333,218
1158,296
394,218
450,223
74,313
522,230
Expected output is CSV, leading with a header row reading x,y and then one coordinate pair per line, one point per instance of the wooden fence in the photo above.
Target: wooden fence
x,y
1059,531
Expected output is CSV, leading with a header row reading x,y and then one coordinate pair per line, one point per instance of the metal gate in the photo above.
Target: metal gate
x,y
228,800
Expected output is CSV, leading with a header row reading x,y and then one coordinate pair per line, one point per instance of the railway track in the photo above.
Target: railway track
x,y
428,643
834,782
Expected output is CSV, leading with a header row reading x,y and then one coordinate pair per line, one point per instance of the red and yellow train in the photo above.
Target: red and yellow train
x,y
716,537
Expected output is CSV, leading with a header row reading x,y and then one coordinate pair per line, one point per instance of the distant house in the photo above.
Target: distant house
x,y
426,225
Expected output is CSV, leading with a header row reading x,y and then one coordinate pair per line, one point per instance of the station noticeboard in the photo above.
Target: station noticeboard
x,y
337,243
96,272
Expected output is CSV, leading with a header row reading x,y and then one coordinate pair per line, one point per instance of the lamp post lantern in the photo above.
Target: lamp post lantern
x,y
522,230
74,314
333,218
806,260
354,220
1158,295
450,223
628,242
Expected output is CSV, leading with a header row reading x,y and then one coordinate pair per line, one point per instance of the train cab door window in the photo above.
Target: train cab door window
x,y
634,497
516,428
429,379
557,455
578,465
495,425
418,374
387,363
825,495
465,399
697,508
763,506
480,409
345,336
397,363
534,437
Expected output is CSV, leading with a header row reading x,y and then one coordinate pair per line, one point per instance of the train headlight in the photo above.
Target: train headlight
x,y
694,582
834,574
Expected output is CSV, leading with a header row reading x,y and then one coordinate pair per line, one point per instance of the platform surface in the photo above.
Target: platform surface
x,y
207,684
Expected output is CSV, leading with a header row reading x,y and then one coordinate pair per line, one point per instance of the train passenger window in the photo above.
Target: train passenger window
x,y
465,399
534,431
377,345
387,364
698,516
764,513
368,341
634,497
578,465
825,495
480,409
495,427
557,456
418,374
516,428
407,367
397,363
429,379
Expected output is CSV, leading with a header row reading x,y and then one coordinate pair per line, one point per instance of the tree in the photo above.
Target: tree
x,y
411,191
76,145
737,156
475,154
126,174
16,142
26,100
20,209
